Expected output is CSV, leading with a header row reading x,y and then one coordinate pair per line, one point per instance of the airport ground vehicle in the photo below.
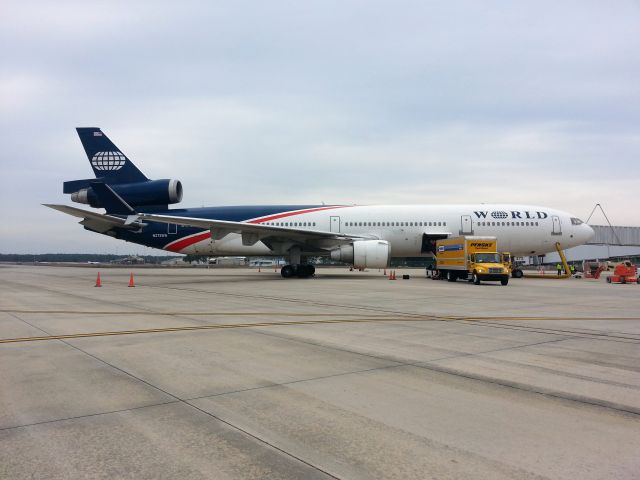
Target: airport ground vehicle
x,y
508,260
470,257
624,272
593,269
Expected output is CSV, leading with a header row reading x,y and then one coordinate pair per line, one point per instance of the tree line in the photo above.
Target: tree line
x,y
75,257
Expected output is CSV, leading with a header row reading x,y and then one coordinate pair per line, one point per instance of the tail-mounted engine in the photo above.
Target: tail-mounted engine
x,y
151,192
364,253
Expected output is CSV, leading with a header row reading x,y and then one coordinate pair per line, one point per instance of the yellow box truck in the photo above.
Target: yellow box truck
x,y
470,258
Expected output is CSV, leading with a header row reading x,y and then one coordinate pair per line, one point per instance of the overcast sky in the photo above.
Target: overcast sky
x,y
309,101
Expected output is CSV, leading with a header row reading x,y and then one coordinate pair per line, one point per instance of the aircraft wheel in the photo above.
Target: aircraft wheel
x,y
475,279
306,271
286,271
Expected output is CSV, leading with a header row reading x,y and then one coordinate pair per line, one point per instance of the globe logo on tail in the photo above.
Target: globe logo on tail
x,y
108,160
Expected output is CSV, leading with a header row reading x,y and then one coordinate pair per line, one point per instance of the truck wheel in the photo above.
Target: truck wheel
x,y
451,277
504,281
517,273
475,278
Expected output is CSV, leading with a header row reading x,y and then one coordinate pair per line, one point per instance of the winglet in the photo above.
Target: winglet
x,y
112,202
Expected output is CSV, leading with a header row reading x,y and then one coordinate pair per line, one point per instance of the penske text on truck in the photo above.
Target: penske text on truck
x,y
470,258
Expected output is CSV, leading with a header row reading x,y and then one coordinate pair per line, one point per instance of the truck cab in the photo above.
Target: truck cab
x,y
488,266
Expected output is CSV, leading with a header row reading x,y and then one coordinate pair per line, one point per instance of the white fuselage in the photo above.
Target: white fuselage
x,y
520,229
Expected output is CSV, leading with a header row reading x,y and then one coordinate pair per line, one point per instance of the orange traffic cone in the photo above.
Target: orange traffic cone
x,y
98,281
131,284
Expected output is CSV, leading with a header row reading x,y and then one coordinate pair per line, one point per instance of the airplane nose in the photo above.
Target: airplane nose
x,y
588,233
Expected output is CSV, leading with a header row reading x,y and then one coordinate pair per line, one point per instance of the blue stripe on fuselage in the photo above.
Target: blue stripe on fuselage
x,y
155,234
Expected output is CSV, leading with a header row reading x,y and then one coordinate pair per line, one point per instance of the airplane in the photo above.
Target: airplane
x,y
137,210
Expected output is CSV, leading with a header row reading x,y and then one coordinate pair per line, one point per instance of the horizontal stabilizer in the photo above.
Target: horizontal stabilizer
x,y
106,222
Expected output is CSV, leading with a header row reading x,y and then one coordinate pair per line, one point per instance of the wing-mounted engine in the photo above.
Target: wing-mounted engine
x,y
150,192
364,253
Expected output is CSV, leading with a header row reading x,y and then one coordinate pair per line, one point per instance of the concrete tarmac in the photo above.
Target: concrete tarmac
x,y
240,374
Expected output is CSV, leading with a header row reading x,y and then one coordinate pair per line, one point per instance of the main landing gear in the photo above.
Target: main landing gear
x,y
303,270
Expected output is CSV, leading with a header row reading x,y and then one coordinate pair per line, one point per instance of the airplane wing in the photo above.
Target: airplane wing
x,y
252,232
96,221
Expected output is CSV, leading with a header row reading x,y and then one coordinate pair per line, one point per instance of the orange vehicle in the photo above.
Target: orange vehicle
x,y
593,269
625,272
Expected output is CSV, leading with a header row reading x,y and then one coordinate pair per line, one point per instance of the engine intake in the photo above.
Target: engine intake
x,y
364,253
152,192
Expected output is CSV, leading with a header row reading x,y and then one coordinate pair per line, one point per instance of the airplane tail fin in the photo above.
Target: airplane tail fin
x,y
107,160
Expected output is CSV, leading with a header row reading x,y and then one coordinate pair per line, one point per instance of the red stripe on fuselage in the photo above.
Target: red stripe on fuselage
x,y
290,214
178,245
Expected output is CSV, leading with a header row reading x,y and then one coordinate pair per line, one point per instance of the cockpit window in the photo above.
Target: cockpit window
x,y
576,221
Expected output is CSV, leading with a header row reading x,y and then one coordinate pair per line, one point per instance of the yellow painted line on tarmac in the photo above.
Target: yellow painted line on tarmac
x,y
404,315
507,318
286,323
221,314
200,327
